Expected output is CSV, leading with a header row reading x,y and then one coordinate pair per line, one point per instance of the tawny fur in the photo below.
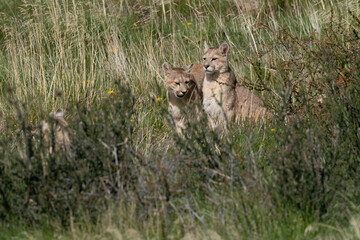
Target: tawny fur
x,y
183,92
59,138
224,99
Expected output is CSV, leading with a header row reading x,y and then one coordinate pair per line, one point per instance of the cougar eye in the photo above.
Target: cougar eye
x,y
177,83
213,59
187,82
204,59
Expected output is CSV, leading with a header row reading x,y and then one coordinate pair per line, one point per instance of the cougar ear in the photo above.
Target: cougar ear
x,y
188,68
60,113
166,67
206,47
224,48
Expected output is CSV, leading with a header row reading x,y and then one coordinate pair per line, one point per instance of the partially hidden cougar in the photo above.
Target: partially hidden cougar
x,y
56,134
183,92
224,99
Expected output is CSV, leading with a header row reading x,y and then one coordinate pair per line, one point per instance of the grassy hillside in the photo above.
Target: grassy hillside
x,y
129,176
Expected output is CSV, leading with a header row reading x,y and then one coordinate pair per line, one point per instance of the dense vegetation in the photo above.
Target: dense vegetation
x,y
128,175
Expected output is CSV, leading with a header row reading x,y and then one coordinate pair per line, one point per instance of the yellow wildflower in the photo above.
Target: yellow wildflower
x,y
111,92
132,120
272,130
189,23
268,118
135,25
88,81
159,99
113,50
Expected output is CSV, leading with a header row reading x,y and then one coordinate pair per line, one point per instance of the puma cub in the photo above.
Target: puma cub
x,y
56,135
223,97
183,92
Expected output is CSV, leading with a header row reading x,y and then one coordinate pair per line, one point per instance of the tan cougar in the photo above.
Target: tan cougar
x,y
183,92
224,99
56,134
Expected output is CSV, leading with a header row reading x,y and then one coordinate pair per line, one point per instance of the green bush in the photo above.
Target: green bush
x,y
316,160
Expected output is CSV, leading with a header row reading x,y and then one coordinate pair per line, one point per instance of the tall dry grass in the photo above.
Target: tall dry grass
x,y
80,48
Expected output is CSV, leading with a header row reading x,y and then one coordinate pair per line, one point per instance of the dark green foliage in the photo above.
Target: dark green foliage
x,y
36,180
317,159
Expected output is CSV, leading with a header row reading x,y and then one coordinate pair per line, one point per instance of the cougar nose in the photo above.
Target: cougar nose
x,y
206,66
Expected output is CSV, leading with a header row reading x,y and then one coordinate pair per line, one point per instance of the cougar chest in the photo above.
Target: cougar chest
x,y
213,98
